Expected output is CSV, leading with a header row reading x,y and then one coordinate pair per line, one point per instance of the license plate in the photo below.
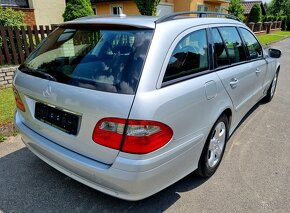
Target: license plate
x,y
57,118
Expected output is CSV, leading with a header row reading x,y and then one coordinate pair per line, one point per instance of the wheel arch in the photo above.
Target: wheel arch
x,y
228,113
278,68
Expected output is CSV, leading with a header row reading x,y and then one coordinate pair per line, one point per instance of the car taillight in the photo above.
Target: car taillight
x,y
18,100
109,132
132,136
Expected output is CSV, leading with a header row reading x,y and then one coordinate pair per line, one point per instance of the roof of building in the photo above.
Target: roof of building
x,y
249,5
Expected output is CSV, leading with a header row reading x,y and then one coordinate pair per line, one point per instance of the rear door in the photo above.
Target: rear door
x,y
231,64
77,77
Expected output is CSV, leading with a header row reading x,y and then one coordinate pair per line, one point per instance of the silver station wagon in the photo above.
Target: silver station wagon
x,y
130,105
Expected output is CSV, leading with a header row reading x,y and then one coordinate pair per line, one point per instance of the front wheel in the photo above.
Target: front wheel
x,y
214,148
271,91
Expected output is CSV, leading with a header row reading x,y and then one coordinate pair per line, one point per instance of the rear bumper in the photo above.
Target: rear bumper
x,y
110,179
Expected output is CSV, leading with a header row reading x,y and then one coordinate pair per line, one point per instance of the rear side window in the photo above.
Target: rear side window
x,y
220,53
254,48
235,48
190,56
107,59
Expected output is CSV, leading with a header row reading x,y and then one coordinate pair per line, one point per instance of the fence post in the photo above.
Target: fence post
x,y
19,45
31,43
269,27
4,40
251,26
1,57
24,39
41,32
259,26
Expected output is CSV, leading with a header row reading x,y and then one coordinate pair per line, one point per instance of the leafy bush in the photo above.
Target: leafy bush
x,y
255,13
11,18
270,18
237,9
148,8
77,9
284,22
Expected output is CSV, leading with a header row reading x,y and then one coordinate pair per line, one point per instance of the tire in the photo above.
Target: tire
x,y
214,148
272,89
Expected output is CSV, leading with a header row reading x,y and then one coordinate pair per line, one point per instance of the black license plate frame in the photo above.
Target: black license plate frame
x,y
59,118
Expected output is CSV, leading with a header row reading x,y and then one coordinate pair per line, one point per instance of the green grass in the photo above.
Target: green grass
x,y
7,105
7,108
274,36
285,33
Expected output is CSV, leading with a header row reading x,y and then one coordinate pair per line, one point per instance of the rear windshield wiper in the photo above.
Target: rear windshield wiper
x,y
37,73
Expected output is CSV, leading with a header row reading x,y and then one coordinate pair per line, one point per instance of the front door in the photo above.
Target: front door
x,y
258,63
230,61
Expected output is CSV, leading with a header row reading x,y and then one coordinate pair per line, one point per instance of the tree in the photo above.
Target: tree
x,y
147,7
77,9
280,8
266,5
255,13
237,9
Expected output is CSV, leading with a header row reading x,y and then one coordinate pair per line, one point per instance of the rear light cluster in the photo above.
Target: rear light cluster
x,y
18,100
132,136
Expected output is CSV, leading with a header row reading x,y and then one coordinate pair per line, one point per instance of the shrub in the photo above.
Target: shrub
x,y
284,22
11,18
77,9
237,9
270,18
148,8
255,13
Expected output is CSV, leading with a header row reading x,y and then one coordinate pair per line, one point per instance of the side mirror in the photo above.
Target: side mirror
x,y
274,53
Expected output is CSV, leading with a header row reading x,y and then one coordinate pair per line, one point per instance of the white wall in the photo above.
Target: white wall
x,y
48,11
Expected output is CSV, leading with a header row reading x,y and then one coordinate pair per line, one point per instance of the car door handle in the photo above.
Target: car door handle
x,y
234,83
258,70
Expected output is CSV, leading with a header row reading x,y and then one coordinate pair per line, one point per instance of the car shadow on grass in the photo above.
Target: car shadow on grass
x,y
28,184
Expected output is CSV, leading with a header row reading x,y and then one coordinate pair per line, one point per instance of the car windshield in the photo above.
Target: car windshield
x,y
107,59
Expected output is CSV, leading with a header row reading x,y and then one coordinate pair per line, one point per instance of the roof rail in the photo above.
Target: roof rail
x,y
199,15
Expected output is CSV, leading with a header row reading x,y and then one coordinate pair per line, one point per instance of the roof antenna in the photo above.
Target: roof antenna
x,y
121,14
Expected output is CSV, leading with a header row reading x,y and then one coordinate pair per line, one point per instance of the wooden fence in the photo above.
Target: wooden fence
x,y
16,44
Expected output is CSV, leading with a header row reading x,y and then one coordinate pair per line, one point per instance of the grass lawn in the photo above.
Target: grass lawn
x,y
274,36
7,108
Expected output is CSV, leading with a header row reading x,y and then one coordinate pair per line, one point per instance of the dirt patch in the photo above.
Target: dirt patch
x,y
7,129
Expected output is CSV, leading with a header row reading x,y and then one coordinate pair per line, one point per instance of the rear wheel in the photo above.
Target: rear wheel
x,y
214,148
272,89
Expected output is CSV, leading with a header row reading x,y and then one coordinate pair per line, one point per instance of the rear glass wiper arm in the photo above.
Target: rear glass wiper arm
x,y
38,73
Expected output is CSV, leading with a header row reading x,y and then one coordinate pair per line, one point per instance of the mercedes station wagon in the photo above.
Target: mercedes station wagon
x,y
129,105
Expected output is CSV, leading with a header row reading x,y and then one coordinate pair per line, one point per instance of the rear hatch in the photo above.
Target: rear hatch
x,y
78,76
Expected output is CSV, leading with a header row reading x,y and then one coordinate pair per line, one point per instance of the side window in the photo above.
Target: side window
x,y
236,50
189,56
253,46
220,53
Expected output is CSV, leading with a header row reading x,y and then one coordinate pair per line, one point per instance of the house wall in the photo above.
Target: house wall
x,y
29,16
129,7
48,11
213,5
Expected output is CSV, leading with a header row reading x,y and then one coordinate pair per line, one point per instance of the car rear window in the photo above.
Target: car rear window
x,y
106,59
